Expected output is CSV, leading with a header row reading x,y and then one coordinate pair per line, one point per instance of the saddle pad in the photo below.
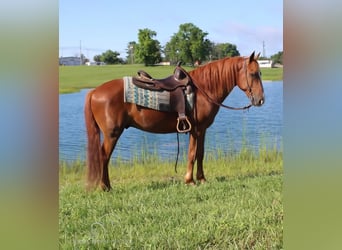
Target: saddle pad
x,y
158,100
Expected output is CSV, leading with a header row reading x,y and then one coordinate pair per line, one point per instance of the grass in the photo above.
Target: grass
x,y
240,207
74,78
272,74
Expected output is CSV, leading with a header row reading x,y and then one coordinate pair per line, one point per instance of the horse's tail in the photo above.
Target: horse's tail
x,y
94,159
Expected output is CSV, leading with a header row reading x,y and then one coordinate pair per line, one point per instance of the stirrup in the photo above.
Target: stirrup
x,y
186,124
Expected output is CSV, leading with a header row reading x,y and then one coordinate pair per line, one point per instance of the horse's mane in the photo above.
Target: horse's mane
x,y
218,77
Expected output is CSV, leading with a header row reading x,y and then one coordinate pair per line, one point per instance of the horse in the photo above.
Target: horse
x,y
106,113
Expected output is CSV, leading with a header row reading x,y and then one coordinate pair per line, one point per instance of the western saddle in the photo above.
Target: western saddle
x,y
177,84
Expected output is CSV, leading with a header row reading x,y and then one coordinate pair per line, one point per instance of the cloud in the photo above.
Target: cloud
x,y
248,38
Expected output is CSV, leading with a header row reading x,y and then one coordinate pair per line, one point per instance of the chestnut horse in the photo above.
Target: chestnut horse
x,y
106,112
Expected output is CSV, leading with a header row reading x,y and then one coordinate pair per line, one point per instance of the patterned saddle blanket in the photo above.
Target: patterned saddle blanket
x,y
154,99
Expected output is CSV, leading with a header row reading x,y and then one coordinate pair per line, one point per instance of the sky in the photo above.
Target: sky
x,y
96,26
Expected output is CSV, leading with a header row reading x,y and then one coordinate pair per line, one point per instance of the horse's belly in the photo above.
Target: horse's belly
x,y
153,121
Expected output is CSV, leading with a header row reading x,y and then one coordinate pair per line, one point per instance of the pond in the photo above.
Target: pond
x,y
255,128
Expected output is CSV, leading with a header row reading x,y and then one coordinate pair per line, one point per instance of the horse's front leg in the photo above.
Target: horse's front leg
x,y
191,160
200,155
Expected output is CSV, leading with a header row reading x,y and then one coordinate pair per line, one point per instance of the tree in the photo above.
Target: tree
x,y
278,58
188,44
97,58
147,51
221,50
110,57
84,59
130,51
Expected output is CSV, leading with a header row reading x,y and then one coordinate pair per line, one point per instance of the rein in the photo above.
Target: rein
x,y
220,104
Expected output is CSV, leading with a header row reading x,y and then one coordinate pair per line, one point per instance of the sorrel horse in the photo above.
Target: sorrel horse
x,y
106,112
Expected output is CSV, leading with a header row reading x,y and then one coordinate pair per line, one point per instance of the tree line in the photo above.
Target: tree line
x,y
189,45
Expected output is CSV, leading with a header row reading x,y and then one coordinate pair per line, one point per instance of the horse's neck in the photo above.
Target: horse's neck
x,y
218,79
231,78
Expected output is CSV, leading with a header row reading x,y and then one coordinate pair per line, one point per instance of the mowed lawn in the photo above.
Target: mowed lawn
x,y
149,207
74,78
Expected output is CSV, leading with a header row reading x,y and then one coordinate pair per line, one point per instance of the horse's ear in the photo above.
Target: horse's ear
x,y
251,58
257,56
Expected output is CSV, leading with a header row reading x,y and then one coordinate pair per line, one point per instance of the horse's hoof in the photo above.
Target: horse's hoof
x,y
105,188
190,183
202,181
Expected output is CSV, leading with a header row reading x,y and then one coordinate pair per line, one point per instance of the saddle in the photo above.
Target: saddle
x,y
177,84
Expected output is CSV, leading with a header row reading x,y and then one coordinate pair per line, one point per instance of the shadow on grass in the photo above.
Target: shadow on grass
x,y
155,185
246,176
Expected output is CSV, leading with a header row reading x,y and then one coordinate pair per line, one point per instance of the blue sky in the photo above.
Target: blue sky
x,y
108,24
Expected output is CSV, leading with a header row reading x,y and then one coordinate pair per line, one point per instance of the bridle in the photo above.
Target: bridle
x,y
226,106
249,88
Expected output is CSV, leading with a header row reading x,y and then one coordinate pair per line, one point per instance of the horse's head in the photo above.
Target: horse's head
x,y
249,80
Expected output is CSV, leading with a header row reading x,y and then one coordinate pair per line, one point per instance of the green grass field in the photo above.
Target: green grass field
x,y
240,206
74,78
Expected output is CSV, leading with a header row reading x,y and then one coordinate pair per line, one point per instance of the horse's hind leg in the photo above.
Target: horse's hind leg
x,y
108,146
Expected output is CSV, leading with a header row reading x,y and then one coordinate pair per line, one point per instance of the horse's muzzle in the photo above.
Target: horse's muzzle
x,y
258,101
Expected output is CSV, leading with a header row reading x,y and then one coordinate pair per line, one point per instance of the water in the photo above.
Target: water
x,y
259,126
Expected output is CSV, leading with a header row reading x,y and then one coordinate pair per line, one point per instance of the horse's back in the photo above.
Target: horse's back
x,y
108,90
